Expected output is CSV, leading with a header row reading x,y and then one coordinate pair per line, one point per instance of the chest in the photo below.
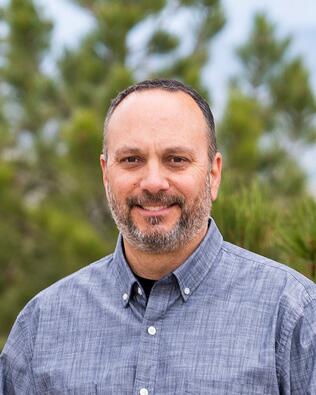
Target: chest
x,y
202,346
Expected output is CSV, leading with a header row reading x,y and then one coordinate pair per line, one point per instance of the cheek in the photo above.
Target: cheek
x,y
121,185
190,187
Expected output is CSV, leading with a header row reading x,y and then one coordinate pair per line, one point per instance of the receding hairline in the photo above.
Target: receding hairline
x,y
161,90
172,86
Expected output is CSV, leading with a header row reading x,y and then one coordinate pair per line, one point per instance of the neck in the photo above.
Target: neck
x,y
155,266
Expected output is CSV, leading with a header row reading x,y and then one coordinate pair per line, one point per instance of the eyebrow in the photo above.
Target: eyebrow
x,y
179,149
127,150
136,151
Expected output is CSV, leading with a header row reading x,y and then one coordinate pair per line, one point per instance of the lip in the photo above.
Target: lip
x,y
154,210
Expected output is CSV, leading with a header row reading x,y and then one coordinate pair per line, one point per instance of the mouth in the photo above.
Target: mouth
x,y
158,205
150,210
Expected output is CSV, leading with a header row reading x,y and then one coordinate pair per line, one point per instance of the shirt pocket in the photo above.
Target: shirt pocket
x,y
212,387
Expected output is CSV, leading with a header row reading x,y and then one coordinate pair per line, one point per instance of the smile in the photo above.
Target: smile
x,y
155,210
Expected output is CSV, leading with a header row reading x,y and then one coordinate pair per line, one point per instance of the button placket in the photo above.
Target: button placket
x,y
147,361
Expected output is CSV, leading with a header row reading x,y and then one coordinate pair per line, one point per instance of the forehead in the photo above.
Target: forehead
x,y
157,115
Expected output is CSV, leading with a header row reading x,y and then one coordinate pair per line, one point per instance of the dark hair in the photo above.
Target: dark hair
x,y
171,86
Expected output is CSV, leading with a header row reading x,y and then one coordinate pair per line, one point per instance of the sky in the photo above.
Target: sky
x,y
294,17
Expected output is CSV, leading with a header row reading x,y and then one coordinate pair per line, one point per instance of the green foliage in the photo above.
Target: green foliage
x,y
269,113
26,27
298,237
12,224
246,216
262,53
78,242
208,20
24,48
82,136
114,28
240,131
296,104
205,3
118,78
162,42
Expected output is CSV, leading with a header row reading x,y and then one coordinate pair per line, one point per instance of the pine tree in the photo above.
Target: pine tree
x,y
269,116
268,121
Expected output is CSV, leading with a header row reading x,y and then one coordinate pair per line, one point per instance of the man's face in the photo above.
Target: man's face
x,y
157,176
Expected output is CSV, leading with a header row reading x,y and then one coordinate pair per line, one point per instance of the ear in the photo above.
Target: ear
x,y
215,175
103,163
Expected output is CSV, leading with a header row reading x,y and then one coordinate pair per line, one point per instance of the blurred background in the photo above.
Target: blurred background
x,y
62,61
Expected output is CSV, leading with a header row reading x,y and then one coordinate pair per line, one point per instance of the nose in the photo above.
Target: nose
x,y
154,180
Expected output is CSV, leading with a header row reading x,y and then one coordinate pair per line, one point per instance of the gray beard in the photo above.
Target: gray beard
x,y
155,241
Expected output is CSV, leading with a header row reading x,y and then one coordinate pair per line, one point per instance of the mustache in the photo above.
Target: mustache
x,y
147,198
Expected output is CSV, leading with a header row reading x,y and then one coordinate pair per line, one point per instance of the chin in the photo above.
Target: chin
x,y
156,222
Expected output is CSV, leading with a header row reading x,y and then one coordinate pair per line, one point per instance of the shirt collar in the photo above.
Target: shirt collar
x,y
189,275
124,274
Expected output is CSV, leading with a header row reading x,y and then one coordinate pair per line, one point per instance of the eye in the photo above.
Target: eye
x,y
177,160
131,160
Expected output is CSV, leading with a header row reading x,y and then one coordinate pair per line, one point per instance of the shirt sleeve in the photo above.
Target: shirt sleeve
x,y
15,360
298,368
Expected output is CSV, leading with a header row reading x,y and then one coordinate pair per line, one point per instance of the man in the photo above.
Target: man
x,y
175,309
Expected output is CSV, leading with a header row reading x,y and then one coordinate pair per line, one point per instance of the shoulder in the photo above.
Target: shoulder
x,y
58,302
287,298
270,278
70,290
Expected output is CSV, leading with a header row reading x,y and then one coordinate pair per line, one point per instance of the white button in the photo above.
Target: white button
x,y
186,291
152,330
143,391
139,291
125,296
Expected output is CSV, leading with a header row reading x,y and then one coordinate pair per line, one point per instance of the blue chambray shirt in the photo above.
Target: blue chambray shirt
x,y
225,322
